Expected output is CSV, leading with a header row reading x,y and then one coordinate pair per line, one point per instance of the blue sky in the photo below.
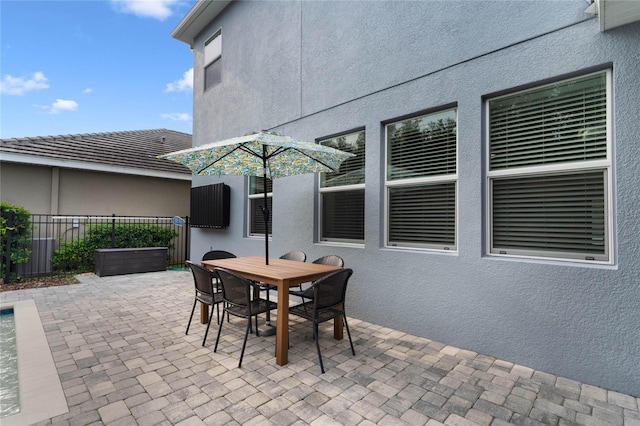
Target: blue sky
x,y
69,67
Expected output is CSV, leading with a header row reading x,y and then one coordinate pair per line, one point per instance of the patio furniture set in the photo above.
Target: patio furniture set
x,y
236,284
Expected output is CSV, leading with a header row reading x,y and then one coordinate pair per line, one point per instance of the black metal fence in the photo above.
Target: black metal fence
x,y
64,245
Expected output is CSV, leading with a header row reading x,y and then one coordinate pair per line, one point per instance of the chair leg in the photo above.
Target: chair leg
x,y
317,339
257,331
353,351
215,348
191,317
208,325
244,344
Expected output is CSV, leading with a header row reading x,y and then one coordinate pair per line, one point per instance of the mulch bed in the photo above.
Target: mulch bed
x,y
38,283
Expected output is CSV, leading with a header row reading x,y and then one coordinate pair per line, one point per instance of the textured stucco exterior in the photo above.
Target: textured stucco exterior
x,y
60,191
312,69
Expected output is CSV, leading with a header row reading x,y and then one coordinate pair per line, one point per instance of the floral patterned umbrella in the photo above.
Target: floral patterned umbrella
x,y
267,154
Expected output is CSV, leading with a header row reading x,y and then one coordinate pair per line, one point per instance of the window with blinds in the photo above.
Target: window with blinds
x,y
548,170
421,179
342,192
213,60
256,203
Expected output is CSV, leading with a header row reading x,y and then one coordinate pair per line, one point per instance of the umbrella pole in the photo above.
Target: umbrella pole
x,y
271,329
265,210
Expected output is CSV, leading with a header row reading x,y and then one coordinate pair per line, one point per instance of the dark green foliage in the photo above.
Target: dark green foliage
x,y
79,255
20,230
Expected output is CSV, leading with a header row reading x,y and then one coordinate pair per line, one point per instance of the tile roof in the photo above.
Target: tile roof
x,y
135,149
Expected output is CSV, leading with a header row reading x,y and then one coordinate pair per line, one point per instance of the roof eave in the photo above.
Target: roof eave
x,y
615,13
11,157
197,18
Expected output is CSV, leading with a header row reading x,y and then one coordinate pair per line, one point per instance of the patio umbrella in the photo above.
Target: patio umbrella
x,y
265,154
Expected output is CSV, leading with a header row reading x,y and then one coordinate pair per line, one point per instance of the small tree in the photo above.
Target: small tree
x,y
15,224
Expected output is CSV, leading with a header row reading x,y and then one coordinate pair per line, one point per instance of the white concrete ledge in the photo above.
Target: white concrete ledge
x,y
40,390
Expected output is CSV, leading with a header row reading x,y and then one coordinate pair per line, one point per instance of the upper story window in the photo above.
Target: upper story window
x,y
549,171
342,192
256,203
421,178
213,60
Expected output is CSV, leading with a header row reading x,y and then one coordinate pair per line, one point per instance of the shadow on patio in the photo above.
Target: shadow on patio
x,y
122,357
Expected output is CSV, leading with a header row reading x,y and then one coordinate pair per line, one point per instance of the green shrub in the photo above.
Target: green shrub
x,y
79,255
20,235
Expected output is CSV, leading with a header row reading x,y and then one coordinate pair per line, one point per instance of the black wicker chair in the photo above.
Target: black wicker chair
x,y
213,255
330,259
236,293
298,256
328,297
217,254
205,292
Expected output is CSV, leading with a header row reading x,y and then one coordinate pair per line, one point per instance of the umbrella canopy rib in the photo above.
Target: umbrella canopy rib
x,y
218,159
315,159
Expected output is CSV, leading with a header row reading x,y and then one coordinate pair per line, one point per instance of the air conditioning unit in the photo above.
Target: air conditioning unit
x,y
210,206
40,260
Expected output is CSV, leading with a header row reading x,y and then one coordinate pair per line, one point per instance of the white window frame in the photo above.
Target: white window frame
x,y
604,165
421,181
342,188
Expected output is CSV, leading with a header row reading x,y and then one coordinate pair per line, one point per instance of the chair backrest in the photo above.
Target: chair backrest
x,y
331,289
202,278
217,254
235,289
331,259
296,255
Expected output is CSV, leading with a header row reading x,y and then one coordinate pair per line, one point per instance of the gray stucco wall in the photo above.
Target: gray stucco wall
x,y
311,69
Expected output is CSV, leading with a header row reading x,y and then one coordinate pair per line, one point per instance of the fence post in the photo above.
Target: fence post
x,y
113,230
7,265
187,232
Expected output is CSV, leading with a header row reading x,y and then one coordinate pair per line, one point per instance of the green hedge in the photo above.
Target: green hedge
x,y
20,235
79,255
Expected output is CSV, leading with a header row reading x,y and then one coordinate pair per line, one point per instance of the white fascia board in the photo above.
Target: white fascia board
x,y
616,13
10,157
197,18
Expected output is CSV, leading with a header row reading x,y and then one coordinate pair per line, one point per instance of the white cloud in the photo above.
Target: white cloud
x,y
176,116
87,90
20,85
157,9
61,105
185,84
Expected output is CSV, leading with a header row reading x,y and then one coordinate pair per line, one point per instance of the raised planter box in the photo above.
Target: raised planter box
x,y
120,261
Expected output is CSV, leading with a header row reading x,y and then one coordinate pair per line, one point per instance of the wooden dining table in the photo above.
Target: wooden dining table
x,y
283,274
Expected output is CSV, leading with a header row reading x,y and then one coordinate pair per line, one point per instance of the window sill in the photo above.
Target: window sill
x,y
421,250
551,261
338,244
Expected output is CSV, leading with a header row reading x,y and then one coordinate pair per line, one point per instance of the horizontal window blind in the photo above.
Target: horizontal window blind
x,y
564,122
423,215
257,219
352,169
423,146
256,185
343,215
342,209
551,213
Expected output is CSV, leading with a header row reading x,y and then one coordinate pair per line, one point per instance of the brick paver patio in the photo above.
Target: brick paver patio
x,y
123,359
